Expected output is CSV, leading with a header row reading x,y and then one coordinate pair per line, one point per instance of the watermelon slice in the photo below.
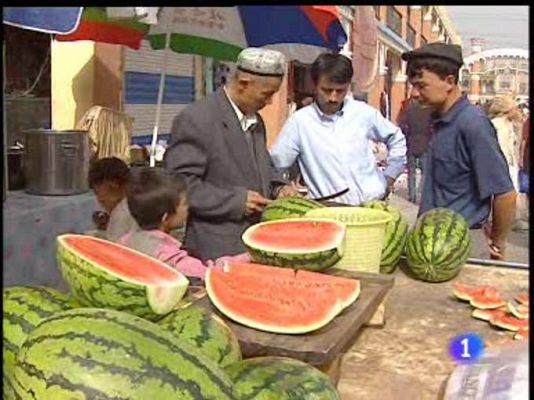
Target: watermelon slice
x,y
509,322
107,275
518,310
490,298
305,243
466,292
287,303
486,315
523,298
521,334
346,289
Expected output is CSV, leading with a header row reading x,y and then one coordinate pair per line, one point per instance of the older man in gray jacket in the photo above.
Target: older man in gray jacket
x,y
219,146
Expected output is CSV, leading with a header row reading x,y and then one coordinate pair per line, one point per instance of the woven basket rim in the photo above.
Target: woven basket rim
x,y
383,217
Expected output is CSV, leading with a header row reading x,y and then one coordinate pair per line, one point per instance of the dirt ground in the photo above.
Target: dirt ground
x,y
408,357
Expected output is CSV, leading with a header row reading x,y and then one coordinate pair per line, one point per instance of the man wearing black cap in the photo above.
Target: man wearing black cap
x,y
465,171
218,146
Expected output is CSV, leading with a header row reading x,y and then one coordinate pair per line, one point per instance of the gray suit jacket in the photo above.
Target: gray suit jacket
x,y
209,149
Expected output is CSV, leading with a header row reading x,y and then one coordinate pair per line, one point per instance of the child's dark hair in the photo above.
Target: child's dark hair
x,y
110,169
439,66
336,67
153,192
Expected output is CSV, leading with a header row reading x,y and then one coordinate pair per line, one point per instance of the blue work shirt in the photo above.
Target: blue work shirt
x,y
465,167
334,152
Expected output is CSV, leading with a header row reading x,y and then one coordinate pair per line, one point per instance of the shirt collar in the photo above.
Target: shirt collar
x,y
245,121
452,112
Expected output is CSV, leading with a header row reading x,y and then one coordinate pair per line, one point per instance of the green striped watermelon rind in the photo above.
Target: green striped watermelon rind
x,y
93,286
206,331
25,307
395,236
93,353
450,247
280,378
310,260
289,207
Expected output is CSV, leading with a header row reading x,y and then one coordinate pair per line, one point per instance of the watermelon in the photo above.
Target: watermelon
x,y
204,330
467,292
105,274
395,236
509,322
90,353
438,245
280,303
24,308
523,298
305,243
521,334
288,207
518,310
280,378
486,315
347,290
489,298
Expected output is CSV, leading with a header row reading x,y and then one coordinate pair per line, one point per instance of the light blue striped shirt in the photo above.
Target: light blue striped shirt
x,y
335,152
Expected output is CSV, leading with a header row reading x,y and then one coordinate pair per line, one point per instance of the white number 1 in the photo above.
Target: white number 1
x,y
465,344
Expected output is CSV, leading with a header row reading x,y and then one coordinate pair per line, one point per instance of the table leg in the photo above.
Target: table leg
x,y
332,369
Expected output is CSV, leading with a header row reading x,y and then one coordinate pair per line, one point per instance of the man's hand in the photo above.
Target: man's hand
x,y
255,203
288,191
101,220
390,182
496,250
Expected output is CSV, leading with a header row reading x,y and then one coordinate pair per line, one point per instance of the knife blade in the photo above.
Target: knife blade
x,y
332,196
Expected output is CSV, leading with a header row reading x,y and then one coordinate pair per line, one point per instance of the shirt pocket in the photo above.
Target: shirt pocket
x,y
448,172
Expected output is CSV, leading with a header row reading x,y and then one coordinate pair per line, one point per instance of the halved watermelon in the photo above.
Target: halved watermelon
x,y
312,244
259,298
485,315
490,298
518,310
346,289
509,322
107,275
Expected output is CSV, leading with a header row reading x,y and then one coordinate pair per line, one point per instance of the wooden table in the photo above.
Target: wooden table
x,y
321,348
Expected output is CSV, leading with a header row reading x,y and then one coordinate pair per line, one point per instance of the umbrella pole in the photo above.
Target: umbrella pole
x,y
160,99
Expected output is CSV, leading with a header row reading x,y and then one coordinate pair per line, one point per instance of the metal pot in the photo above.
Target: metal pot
x,y
57,162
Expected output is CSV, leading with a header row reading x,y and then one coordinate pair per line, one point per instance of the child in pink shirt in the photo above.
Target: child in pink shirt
x,y
158,202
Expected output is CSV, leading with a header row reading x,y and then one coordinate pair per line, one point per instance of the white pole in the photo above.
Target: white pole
x,y
160,98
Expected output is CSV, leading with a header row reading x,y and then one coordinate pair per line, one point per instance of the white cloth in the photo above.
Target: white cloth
x,y
120,222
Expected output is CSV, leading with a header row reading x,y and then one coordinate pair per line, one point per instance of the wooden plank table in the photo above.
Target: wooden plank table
x,y
321,348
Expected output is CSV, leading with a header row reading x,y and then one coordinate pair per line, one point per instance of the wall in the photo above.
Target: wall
x,y
25,113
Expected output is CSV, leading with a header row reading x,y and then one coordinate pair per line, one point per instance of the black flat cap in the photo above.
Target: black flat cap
x,y
450,52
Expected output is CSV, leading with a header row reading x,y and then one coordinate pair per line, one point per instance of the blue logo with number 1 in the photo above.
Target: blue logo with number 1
x,y
466,349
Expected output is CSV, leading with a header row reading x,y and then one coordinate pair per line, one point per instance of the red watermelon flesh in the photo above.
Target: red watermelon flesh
x,y
518,310
523,298
509,322
486,315
297,235
490,298
521,334
467,292
270,306
346,289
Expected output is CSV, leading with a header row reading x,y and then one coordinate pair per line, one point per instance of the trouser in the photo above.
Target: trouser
x,y
414,162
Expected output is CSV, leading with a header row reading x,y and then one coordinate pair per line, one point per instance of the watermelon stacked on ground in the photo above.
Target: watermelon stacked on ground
x,y
280,378
305,243
24,308
206,331
105,274
92,353
279,300
288,207
395,236
438,245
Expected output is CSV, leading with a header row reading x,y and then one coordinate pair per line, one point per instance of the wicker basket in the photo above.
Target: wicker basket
x,y
364,238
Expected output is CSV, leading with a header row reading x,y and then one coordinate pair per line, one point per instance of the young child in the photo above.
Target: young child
x,y
158,202
108,178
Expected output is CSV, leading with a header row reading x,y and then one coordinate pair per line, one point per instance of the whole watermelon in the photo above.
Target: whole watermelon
x,y
438,245
92,353
288,207
25,307
206,331
280,378
395,236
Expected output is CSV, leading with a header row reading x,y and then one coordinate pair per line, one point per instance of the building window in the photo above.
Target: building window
x,y
394,20
505,85
410,36
377,12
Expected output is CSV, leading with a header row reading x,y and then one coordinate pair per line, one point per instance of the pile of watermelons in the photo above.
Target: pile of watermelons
x,y
124,333
436,248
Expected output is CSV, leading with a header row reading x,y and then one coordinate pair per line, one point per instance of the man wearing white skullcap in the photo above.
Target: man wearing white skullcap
x,y
218,146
